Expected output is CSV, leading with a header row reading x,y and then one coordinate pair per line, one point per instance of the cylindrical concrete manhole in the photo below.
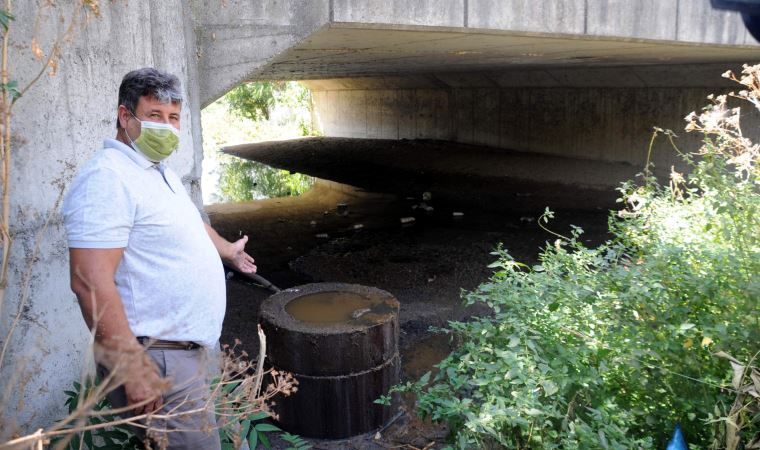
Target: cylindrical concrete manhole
x,y
340,341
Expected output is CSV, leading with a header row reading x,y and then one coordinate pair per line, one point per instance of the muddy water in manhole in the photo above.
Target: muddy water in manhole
x,y
334,307
340,341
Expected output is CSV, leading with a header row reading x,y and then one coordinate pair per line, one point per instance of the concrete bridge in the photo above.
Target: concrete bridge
x,y
585,79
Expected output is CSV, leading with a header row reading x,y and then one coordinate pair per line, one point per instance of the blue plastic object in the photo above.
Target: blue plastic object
x,y
677,442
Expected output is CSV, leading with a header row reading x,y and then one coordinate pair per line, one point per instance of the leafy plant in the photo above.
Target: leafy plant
x,y
250,430
254,112
257,433
116,437
256,100
610,347
296,442
243,180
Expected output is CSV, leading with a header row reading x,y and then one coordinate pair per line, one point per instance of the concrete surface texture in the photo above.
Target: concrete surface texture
x,y
435,68
602,123
57,125
302,39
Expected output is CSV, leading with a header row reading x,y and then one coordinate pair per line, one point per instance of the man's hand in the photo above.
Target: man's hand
x,y
232,253
144,384
116,348
238,259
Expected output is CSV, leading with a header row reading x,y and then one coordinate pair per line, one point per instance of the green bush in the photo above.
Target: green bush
x,y
243,180
610,347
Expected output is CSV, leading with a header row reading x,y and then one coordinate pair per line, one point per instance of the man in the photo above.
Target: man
x,y
146,269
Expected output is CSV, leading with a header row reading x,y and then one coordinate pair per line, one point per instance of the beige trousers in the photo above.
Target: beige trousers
x,y
190,391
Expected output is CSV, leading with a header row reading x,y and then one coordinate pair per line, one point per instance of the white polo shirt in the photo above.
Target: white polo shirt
x,y
171,279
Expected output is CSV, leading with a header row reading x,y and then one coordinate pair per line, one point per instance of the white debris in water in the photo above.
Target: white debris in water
x,y
359,312
427,196
358,226
313,223
405,220
457,214
322,236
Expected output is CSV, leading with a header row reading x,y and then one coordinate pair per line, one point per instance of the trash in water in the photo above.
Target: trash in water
x,y
406,220
322,236
313,223
359,312
358,226
457,214
427,196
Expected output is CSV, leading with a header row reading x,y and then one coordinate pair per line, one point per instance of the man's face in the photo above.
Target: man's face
x,y
149,108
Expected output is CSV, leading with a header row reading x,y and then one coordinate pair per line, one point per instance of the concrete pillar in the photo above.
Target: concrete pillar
x,y
57,125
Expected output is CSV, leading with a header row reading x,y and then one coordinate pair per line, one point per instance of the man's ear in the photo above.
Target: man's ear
x,y
123,115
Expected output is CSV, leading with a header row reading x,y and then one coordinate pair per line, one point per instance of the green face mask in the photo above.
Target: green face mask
x,y
156,141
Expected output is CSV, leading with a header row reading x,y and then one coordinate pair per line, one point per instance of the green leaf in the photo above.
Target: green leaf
x,y
88,439
384,400
227,388
5,19
266,427
260,415
244,426
265,441
550,388
253,439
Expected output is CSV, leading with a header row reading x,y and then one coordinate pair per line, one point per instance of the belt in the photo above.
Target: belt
x,y
160,344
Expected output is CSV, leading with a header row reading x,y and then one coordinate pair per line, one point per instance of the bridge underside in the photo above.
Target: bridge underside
x,y
567,98
361,50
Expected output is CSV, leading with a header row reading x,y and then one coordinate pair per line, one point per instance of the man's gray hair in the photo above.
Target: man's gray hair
x,y
165,87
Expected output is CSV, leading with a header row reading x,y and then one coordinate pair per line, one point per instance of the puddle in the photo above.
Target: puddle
x,y
420,357
332,307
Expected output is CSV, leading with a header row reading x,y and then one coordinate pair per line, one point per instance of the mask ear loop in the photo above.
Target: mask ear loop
x,y
134,147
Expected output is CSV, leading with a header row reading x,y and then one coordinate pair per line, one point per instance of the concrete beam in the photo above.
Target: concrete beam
x,y
237,38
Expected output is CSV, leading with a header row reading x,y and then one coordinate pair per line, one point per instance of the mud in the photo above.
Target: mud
x,y
426,266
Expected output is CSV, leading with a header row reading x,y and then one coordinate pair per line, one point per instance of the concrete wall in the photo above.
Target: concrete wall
x,y
58,125
586,115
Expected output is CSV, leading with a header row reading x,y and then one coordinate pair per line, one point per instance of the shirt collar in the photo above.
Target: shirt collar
x,y
136,157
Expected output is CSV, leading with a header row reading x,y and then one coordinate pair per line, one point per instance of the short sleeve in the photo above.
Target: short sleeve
x,y
99,210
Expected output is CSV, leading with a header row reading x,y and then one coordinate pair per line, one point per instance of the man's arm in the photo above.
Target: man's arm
x,y
92,280
232,253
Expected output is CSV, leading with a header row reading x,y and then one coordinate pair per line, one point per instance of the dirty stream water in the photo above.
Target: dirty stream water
x,y
331,307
